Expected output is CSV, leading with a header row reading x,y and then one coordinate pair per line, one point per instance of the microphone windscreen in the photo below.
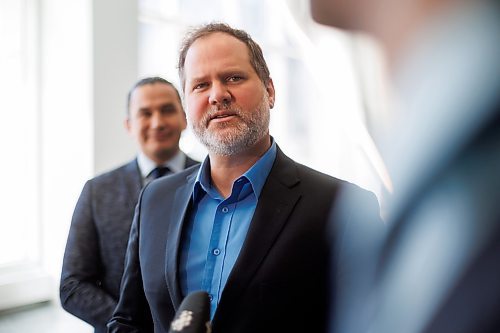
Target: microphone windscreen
x,y
193,315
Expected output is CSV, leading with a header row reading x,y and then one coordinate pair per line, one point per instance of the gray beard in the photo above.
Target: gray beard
x,y
242,135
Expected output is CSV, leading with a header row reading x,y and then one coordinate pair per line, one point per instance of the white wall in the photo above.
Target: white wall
x,y
115,70
88,62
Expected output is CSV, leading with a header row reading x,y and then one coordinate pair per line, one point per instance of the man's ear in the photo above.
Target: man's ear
x,y
126,124
270,92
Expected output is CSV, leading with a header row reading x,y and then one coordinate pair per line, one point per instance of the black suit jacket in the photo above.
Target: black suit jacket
x,y
97,241
279,281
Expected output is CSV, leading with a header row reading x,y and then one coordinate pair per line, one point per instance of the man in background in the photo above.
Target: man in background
x,y
247,226
436,269
98,236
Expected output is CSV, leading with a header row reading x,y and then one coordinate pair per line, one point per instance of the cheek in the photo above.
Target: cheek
x,y
177,123
250,99
193,118
195,109
140,131
135,129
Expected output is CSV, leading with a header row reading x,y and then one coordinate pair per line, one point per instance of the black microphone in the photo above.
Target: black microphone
x,y
193,315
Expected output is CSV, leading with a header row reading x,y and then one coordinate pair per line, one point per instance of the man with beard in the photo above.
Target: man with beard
x,y
247,226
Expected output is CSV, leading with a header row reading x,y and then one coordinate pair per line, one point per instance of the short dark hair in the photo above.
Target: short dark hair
x,y
256,56
150,80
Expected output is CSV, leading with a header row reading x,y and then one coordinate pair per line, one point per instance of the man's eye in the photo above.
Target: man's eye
x,y
168,109
234,78
200,86
144,114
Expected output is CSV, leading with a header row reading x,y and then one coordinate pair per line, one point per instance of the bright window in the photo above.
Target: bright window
x,y
19,135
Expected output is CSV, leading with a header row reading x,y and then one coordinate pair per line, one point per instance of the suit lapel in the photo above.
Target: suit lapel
x,y
182,200
133,181
276,202
190,162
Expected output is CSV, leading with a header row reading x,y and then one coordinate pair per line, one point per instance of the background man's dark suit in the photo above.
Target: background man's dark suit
x,y
279,282
95,252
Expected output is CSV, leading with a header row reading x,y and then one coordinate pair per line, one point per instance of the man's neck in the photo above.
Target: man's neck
x,y
165,157
176,162
224,170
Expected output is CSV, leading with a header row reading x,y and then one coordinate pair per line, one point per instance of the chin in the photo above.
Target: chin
x,y
334,14
165,152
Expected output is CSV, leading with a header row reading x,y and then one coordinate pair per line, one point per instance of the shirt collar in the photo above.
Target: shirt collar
x,y
146,165
256,175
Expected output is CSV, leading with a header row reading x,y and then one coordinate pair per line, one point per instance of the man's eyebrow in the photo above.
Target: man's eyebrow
x,y
232,71
168,105
224,72
197,78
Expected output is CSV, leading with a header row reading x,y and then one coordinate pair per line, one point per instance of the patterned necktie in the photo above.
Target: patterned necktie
x,y
159,172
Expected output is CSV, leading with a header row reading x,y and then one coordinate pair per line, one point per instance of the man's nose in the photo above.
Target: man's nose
x,y
157,120
219,95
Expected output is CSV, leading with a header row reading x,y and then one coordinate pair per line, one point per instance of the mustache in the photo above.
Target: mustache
x,y
214,110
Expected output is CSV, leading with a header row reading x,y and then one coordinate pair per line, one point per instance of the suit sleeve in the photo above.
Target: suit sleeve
x,y
132,313
80,290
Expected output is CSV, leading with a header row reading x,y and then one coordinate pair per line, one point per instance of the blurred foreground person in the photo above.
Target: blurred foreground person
x,y
98,236
437,268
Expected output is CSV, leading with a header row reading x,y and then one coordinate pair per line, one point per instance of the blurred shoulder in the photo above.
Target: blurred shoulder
x,y
127,170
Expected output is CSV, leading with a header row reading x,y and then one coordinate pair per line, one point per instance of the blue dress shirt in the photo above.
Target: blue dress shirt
x,y
216,228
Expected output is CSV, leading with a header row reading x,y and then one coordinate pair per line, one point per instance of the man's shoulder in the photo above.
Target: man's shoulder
x,y
181,175
311,176
317,180
190,162
175,179
126,170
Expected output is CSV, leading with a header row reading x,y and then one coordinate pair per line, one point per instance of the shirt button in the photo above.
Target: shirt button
x,y
216,252
225,209
211,298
